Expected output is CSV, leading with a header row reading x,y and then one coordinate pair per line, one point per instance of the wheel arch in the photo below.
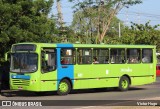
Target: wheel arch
x,y
127,77
68,79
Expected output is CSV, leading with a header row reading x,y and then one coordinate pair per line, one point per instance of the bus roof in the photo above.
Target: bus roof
x,y
88,45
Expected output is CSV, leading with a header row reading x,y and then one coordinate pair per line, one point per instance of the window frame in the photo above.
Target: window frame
x,y
98,56
118,56
41,59
143,57
90,62
128,56
72,56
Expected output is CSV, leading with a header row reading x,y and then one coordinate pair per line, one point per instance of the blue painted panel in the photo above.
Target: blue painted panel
x,y
65,45
27,77
64,70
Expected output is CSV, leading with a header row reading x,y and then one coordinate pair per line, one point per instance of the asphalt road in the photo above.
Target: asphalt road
x,y
101,95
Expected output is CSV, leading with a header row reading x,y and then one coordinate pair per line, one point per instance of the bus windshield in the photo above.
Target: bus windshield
x,y
24,62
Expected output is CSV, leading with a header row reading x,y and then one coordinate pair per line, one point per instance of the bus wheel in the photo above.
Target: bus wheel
x,y
64,87
124,83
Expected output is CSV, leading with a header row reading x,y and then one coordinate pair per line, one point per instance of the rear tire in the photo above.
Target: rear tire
x,y
124,83
64,87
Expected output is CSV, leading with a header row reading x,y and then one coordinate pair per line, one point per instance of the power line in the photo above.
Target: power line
x,y
140,17
144,15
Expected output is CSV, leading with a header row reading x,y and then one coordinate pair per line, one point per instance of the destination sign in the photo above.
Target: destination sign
x,y
24,47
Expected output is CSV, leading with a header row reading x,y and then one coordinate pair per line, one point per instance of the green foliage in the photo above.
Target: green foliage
x,y
25,21
85,26
141,34
93,18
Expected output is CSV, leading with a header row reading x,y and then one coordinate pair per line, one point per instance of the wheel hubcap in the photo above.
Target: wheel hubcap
x,y
124,84
63,87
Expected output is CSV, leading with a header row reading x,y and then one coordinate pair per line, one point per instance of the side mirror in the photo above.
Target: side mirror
x,y
46,57
6,55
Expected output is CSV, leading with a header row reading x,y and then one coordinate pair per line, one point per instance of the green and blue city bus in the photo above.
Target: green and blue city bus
x,y
41,67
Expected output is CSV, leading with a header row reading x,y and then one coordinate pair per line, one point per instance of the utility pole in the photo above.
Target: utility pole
x,y
119,29
60,16
60,20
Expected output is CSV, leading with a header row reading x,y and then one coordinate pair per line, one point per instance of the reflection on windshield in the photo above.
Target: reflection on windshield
x,y
24,62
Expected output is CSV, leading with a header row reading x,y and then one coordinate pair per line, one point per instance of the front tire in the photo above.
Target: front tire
x,y
64,87
124,83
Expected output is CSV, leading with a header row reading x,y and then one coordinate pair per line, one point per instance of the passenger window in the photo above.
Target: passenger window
x,y
117,56
68,56
133,55
48,60
84,56
100,56
147,55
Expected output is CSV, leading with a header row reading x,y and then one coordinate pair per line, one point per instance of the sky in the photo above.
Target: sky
x,y
149,10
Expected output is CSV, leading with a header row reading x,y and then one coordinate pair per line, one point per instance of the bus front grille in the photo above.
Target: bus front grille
x,y
20,82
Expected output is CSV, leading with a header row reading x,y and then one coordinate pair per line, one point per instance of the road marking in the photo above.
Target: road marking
x,y
104,105
86,107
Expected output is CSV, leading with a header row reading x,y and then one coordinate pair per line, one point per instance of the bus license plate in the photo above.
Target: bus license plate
x,y
20,88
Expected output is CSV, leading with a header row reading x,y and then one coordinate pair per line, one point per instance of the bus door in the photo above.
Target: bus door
x,y
66,61
48,68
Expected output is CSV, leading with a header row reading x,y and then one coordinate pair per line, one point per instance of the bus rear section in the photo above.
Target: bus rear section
x,y
116,66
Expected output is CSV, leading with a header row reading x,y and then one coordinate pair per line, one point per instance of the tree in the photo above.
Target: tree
x,y
103,12
24,21
141,34
85,26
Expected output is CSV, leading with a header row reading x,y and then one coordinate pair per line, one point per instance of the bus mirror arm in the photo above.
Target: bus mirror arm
x,y
45,55
6,55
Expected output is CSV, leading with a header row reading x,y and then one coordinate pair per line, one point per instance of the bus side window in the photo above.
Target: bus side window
x,y
117,56
133,55
101,56
48,60
68,56
84,56
147,55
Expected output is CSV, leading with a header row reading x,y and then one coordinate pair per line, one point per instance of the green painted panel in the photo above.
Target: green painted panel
x,y
99,83
81,84
48,85
48,81
142,80
108,75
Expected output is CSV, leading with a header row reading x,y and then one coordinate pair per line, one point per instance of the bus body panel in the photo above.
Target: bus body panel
x,y
48,80
64,71
108,75
19,82
93,76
